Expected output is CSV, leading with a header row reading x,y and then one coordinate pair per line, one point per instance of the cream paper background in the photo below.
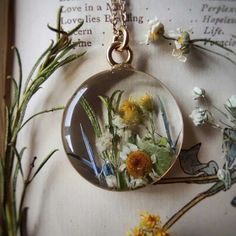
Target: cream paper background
x,y
60,201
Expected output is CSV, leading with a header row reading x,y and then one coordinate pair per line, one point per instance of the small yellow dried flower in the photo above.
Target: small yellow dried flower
x,y
146,102
150,225
137,231
149,220
138,164
130,112
160,232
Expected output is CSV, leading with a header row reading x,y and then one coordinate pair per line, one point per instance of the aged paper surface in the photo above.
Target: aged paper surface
x,y
60,201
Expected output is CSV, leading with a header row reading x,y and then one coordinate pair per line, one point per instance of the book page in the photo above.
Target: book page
x,y
60,201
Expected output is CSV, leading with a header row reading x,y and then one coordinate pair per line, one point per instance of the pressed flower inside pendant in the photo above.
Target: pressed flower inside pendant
x,y
122,129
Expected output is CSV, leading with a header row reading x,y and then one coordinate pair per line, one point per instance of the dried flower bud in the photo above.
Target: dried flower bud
x,y
155,31
198,93
182,44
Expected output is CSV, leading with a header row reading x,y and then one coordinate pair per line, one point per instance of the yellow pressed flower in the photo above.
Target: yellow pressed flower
x,y
146,102
130,112
149,220
160,232
137,231
150,225
138,164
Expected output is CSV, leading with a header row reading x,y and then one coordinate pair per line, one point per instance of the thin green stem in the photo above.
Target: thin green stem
x,y
20,74
26,184
40,113
188,180
219,110
213,42
153,128
59,21
211,51
217,187
183,210
168,38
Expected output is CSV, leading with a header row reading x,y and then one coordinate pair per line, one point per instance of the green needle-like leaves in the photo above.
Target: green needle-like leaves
x,y
55,56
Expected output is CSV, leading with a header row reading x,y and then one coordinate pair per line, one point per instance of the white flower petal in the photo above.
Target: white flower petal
x,y
156,28
126,135
111,181
182,58
153,158
122,167
154,175
135,183
124,153
199,116
104,142
132,147
221,174
231,102
179,30
177,44
176,52
118,122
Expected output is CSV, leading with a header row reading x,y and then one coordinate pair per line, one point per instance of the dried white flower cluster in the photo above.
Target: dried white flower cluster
x,y
202,115
182,38
183,42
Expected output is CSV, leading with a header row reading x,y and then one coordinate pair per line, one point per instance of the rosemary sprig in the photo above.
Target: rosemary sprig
x,y
54,57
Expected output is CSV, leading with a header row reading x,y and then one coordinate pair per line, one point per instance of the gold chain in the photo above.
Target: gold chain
x,y
120,31
118,15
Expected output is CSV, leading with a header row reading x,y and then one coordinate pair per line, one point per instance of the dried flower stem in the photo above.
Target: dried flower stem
x,y
211,51
168,38
217,187
189,180
214,43
26,184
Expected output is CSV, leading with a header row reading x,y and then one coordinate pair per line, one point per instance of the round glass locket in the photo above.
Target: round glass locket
x,y
122,129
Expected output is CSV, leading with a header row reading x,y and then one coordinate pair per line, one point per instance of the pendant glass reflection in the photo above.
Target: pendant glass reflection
x,y
122,129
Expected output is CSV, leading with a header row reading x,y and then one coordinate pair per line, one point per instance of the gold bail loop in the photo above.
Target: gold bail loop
x,y
120,44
